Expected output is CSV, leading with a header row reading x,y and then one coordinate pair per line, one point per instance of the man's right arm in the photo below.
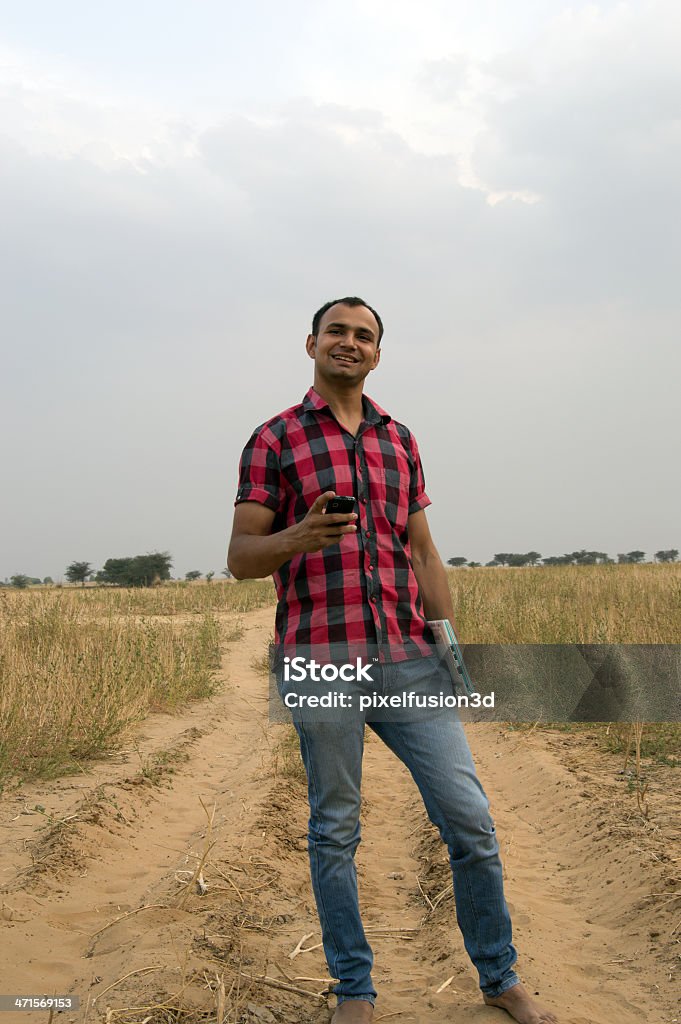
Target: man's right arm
x,y
254,552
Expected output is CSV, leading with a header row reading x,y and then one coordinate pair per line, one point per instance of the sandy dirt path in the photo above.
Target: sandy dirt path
x,y
99,893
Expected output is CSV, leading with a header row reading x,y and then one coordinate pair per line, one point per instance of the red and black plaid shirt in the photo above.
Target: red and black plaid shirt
x,y
359,596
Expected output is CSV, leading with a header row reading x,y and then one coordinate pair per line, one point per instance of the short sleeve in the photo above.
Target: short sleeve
x,y
418,499
260,472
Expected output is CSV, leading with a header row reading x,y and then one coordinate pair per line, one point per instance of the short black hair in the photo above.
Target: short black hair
x,y
349,300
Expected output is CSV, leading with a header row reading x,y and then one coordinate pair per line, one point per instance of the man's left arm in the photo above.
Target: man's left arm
x,y
430,573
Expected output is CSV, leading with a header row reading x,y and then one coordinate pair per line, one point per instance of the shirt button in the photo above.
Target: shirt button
x,y
371,568
368,534
363,498
373,597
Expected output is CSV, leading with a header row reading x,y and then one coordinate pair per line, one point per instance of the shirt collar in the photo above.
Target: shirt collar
x,y
372,412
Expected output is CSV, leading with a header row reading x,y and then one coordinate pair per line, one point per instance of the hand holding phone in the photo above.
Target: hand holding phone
x,y
326,523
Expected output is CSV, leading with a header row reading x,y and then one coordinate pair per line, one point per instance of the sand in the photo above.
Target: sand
x,y
99,895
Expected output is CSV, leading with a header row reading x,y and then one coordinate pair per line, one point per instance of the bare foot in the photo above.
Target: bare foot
x,y
518,1002
353,1011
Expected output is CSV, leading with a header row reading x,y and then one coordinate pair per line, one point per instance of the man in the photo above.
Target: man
x,y
371,577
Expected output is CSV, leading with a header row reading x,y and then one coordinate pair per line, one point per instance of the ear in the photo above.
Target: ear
x,y
311,346
377,359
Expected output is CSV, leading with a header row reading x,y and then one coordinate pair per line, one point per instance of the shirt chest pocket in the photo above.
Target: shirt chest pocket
x,y
395,499
389,484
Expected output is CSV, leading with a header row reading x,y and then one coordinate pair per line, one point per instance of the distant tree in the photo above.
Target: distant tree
x,y
35,580
150,568
209,576
631,558
667,556
139,571
78,572
517,560
20,581
193,574
456,562
582,557
115,571
227,573
48,580
473,565
585,557
493,562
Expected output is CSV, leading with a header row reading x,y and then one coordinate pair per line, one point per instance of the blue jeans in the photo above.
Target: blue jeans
x,y
434,748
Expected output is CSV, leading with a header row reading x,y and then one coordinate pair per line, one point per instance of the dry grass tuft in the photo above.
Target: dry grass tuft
x,y
75,675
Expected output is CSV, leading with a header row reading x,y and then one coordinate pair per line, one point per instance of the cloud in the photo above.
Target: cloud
x,y
446,78
162,271
595,132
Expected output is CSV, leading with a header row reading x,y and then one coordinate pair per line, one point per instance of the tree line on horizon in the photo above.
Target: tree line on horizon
x,y
582,557
146,570
136,571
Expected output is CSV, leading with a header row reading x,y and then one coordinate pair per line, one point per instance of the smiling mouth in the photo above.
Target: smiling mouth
x,y
344,359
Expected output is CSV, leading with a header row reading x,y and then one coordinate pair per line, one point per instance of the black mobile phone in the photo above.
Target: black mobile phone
x,y
341,503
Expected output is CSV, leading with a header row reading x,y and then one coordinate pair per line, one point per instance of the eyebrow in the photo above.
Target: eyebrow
x,y
338,323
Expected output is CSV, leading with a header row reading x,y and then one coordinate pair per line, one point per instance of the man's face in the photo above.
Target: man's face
x,y
346,347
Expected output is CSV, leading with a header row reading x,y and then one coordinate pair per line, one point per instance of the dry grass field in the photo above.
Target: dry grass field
x,y
619,604
80,666
153,857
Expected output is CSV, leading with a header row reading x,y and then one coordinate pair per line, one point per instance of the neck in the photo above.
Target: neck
x,y
345,403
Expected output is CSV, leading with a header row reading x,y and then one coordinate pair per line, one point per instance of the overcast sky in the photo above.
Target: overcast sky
x,y
183,184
